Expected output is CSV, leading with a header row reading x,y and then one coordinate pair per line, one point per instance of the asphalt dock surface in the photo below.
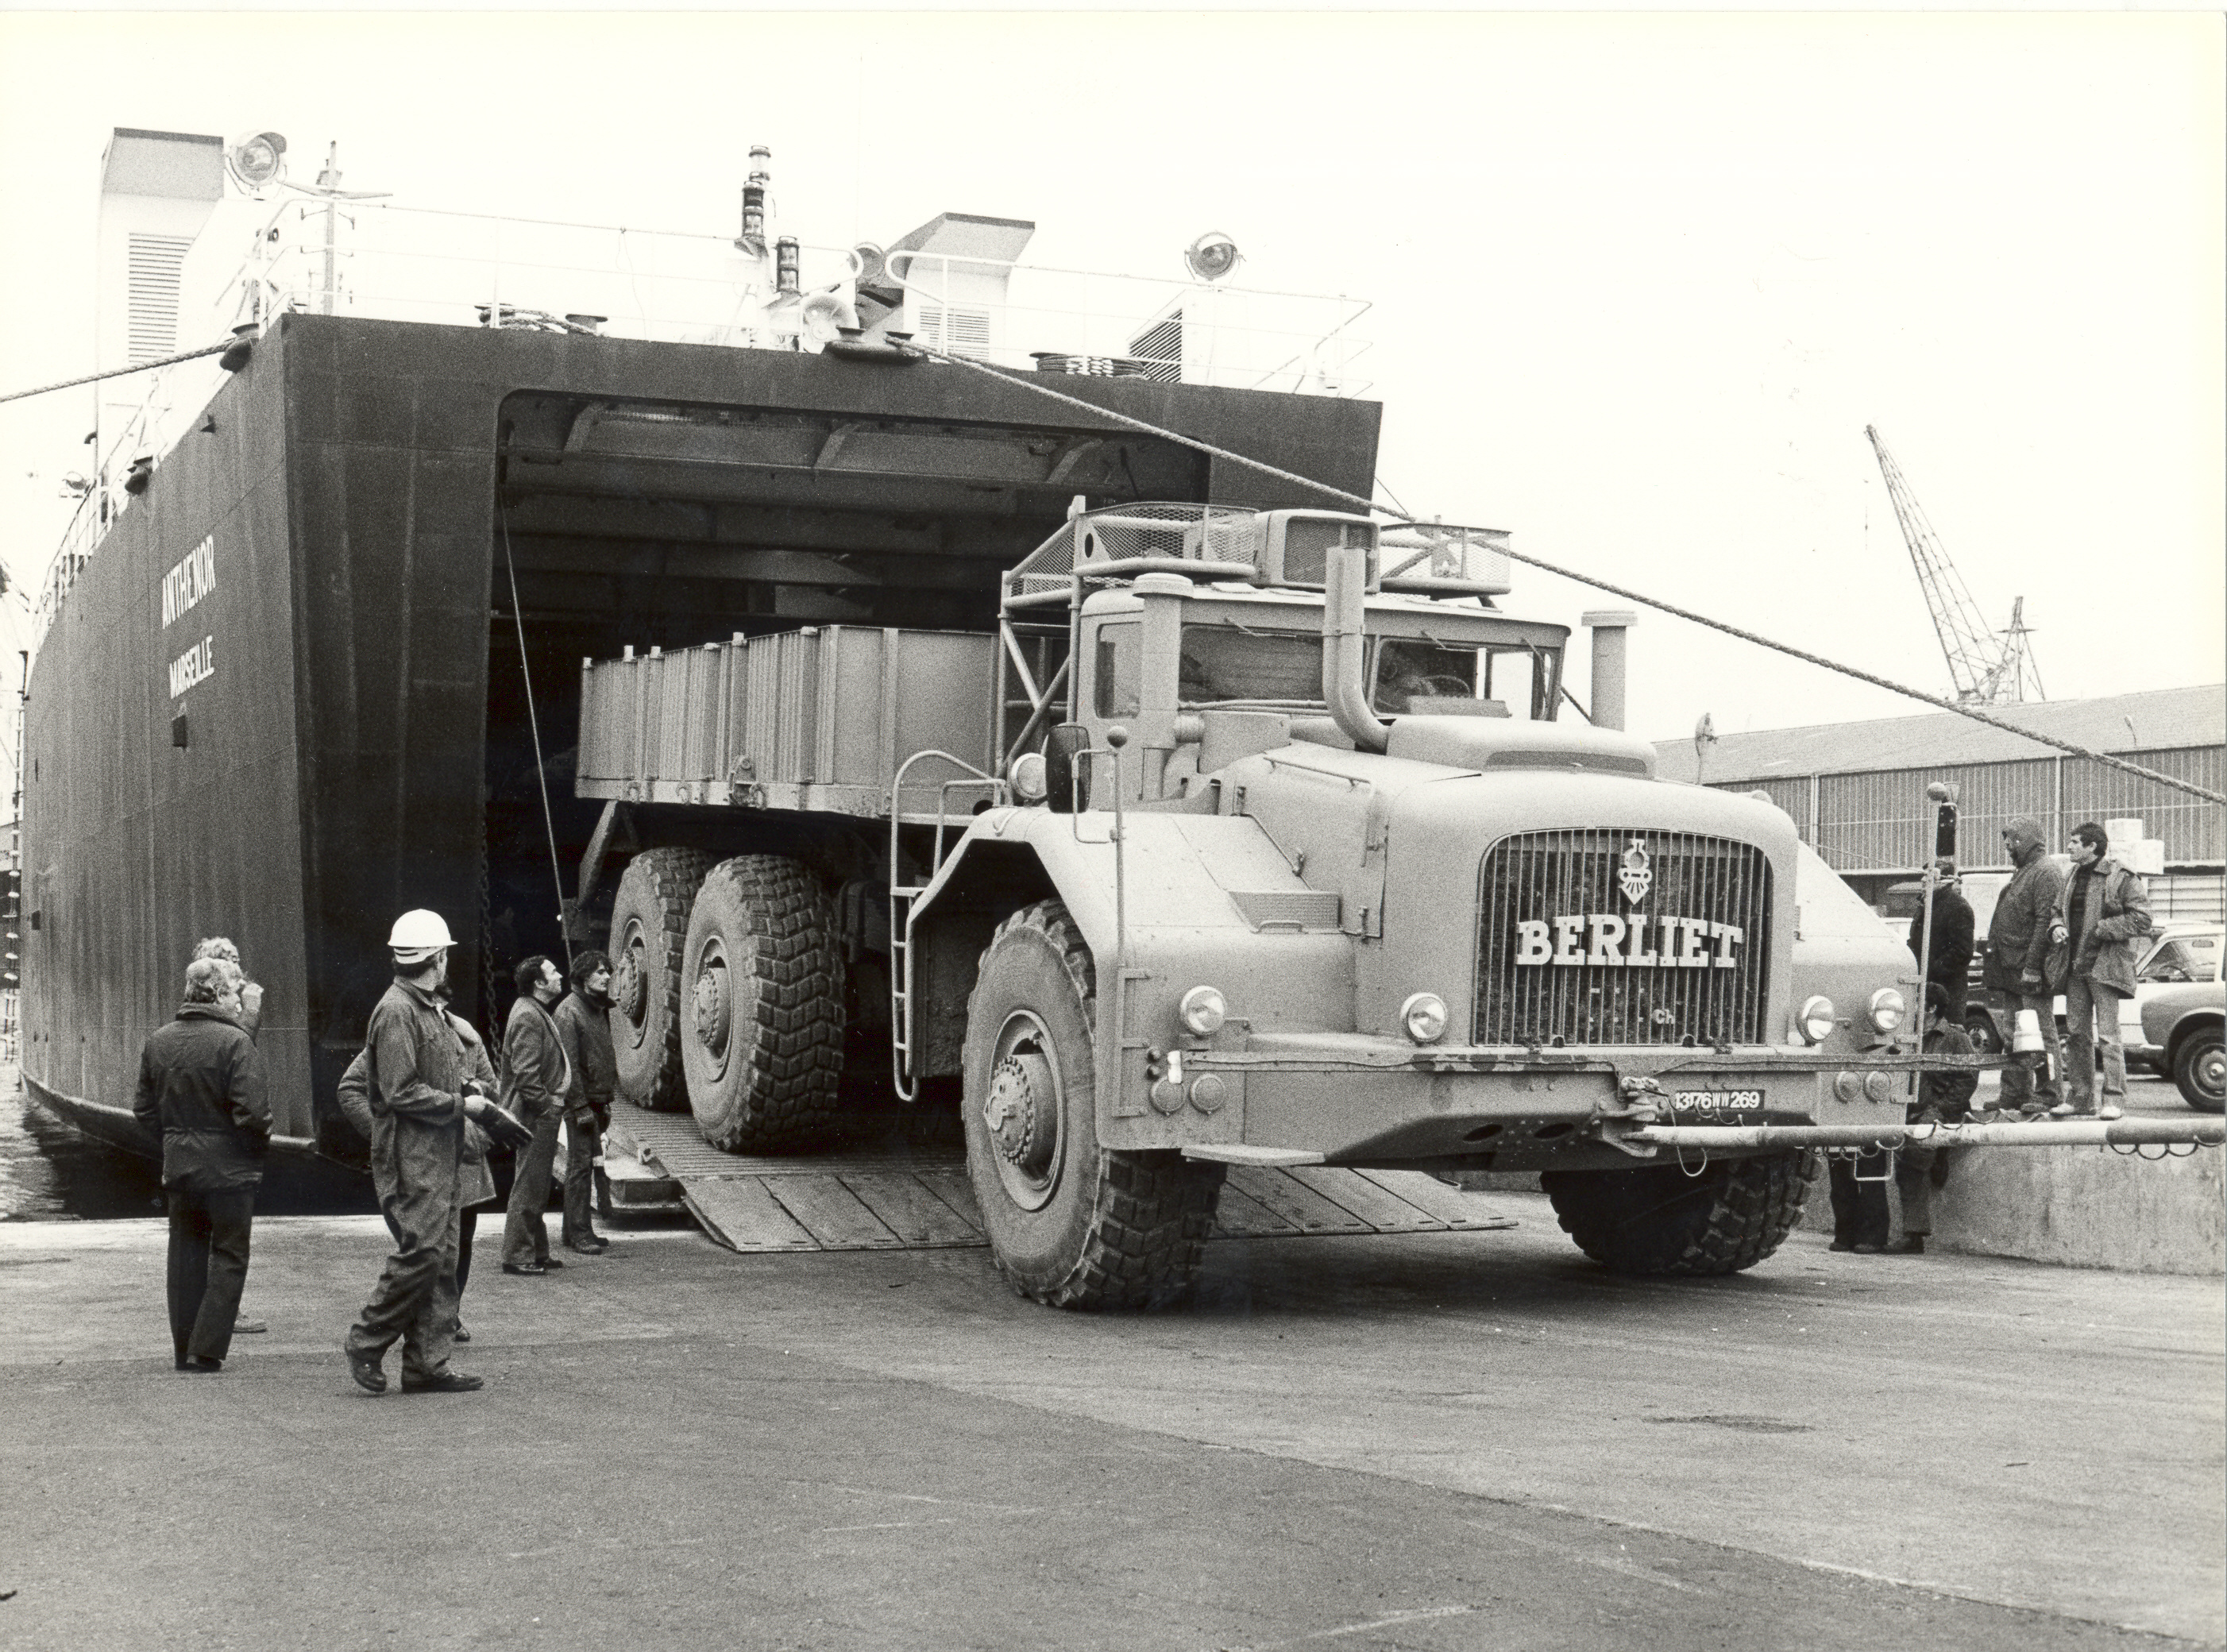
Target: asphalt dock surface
x,y
1443,1441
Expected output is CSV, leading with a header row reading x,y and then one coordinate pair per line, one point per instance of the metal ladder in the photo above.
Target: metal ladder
x,y
903,899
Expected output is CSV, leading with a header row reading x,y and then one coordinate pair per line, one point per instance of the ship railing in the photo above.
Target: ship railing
x,y
418,264
1059,320
173,400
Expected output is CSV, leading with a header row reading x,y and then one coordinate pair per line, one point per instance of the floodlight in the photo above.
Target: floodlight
x,y
1211,256
256,159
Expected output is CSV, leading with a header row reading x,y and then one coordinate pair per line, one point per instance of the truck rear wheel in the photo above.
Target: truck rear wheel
x,y
649,927
761,1028
1730,1216
1070,1223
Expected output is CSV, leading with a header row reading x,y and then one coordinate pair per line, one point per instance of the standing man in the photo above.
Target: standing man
x,y
2018,942
1859,1184
251,991
201,1092
1949,967
420,1096
251,1022
535,1078
2102,908
583,1023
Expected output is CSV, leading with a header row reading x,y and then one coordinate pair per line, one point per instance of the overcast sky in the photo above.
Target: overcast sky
x,y
1639,281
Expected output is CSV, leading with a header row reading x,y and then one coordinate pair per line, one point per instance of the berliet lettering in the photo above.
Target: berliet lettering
x,y
1615,943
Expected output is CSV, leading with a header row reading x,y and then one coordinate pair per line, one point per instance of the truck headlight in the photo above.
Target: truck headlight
x,y
1817,1019
1424,1017
1028,777
1887,1010
1202,1010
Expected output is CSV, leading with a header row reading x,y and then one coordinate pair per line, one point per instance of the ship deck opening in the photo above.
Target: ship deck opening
x,y
647,524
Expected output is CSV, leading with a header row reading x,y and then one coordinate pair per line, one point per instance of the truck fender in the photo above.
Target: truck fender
x,y
1185,881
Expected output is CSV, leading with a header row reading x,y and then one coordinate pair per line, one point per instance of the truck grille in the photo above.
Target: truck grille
x,y
1612,985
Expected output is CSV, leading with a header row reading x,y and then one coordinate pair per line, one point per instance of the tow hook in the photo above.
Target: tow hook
x,y
1641,1100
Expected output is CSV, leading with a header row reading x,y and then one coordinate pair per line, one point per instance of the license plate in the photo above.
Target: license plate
x,y
1719,1100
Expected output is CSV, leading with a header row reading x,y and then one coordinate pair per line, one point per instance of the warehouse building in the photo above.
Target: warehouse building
x,y
1857,790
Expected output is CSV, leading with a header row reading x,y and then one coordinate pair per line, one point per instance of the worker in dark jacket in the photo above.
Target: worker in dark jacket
x,y
2101,910
2018,947
535,1078
201,1092
1949,967
1859,1184
420,1095
583,1023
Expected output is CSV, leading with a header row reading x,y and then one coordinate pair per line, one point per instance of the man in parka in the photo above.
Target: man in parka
x,y
536,1077
2101,910
202,1093
420,1096
2017,945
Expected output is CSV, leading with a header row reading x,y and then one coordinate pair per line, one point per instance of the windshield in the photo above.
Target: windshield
x,y
2188,958
1225,664
1420,674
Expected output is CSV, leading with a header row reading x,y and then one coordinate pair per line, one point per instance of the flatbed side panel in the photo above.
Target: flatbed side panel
x,y
834,711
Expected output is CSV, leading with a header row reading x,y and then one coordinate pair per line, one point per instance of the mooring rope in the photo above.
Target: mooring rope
x,y
1006,376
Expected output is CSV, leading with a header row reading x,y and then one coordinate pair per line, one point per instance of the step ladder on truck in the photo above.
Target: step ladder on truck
x,y
1247,839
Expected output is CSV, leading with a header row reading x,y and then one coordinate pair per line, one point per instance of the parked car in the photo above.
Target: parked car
x,y
2185,952
2182,1022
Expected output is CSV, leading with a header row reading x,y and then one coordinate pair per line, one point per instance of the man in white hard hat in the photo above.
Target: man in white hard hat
x,y
421,1093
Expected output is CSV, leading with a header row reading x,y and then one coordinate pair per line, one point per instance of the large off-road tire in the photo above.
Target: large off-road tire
x,y
649,927
1730,1216
1070,1223
762,1020
2200,1073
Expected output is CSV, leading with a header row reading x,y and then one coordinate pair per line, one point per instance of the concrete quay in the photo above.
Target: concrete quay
x,y
1462,1440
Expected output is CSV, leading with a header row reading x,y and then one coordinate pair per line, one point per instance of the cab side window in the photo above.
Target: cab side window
x,y
1117,671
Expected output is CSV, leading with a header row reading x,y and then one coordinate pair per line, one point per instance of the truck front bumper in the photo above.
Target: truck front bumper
x,y
1344,1099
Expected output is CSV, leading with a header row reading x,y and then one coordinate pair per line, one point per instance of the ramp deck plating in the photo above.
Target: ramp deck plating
x,y
893,1195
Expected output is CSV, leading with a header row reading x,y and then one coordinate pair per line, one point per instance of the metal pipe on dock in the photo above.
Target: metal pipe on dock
x,y
2067,1133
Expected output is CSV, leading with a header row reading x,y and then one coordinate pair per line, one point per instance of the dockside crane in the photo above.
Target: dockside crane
x,y
1988,667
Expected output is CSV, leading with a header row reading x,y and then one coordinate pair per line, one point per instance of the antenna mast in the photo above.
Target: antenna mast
x,y
1985,666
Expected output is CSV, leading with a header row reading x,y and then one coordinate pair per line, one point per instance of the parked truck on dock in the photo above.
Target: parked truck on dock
x,y
1246,838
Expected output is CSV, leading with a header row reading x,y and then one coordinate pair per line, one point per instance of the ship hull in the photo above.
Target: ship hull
x,y
288,697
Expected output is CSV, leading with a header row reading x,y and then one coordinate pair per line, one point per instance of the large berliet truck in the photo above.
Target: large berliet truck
x,y
1247,837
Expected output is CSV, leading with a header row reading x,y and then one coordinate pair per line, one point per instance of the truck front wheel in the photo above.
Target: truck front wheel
x,y
649,925
1070,1223
762,1026
1730,1216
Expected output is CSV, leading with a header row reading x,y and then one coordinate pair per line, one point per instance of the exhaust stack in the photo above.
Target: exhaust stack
x,y
1345,649
1608,626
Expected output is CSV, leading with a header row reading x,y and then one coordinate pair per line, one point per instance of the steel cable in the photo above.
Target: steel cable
x,y
533,722
1006,376
118,372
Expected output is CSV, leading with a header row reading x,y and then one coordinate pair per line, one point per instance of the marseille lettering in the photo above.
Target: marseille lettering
x,y
193,579
197,665
1607,940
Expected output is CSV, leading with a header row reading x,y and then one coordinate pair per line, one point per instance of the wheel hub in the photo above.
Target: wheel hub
x,y
1016,1112
625,984
710,1005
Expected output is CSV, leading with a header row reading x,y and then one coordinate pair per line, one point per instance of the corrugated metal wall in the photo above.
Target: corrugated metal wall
x,y
1880,820
2190,828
